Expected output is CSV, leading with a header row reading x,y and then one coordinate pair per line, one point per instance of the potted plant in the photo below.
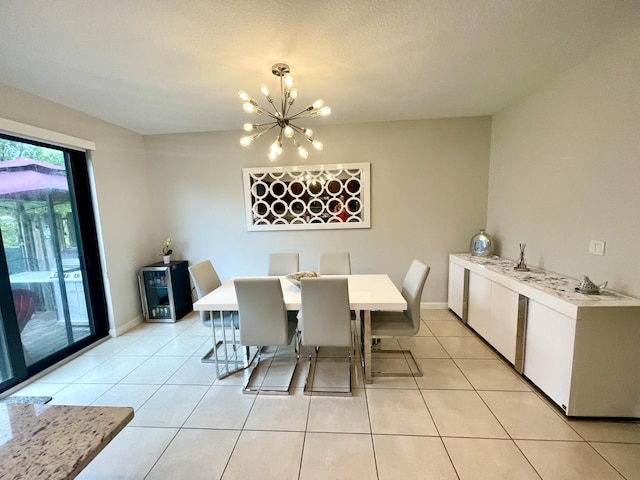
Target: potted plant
x,y
167,250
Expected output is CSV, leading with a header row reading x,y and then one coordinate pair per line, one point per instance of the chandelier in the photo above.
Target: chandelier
x,y
281,117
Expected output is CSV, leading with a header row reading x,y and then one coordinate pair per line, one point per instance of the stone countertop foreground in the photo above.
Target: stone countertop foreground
x,y
54,441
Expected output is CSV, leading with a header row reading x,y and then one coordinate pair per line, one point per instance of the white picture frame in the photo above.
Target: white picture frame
x,y
307,197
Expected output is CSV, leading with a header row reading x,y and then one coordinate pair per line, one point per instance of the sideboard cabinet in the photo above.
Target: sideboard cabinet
x,y
582,351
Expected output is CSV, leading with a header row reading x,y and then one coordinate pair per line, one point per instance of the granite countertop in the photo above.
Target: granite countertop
x,y
54,441
553,284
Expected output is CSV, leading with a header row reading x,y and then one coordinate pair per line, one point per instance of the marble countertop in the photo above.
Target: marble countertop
x,y
553,284
54,441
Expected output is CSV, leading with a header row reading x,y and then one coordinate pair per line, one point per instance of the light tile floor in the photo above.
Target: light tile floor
x,y
469,417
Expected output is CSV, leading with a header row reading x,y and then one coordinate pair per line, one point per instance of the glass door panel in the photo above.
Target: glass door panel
x,y
6,372
158,301
39,229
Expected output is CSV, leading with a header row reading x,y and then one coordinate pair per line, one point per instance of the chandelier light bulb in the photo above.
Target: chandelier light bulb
x,y
249,126
276,146
246,141
324,111
303,152
318,103
244,96
288,81
288,131
308,132
272,155
264,90
247,107
317,145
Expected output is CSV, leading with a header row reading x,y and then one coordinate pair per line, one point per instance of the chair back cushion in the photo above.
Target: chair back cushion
x,y
412,290
263,315
326,316
335,264
204,278
283,263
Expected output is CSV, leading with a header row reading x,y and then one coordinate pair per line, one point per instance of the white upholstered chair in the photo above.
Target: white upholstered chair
x,y
402,324
265,322
205,280
338,263
283,264
325,321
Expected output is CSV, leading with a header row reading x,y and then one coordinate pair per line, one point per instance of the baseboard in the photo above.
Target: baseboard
x,y
434,305
122,329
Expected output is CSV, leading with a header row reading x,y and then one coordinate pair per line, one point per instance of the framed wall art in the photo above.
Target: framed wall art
x,y
308,197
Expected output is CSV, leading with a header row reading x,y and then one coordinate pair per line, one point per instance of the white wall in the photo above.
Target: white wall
x,y
428,188
121,180
565,169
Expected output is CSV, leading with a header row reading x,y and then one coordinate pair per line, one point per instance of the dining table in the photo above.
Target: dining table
x,y
367,293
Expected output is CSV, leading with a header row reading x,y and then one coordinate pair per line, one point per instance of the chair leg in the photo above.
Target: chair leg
x,y
409,358
308,384
266,390
206,358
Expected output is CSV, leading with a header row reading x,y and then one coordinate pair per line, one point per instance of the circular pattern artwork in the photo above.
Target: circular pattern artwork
x,y
322,197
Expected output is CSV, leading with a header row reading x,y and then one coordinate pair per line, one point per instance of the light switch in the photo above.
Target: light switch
x,y
596,247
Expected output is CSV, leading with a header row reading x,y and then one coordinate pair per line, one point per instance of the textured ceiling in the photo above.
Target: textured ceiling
x,y
168,66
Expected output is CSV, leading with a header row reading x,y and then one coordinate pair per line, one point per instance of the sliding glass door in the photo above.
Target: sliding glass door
x,y
49,268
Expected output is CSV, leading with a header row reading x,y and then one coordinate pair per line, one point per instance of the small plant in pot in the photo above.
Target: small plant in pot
x,y
167,250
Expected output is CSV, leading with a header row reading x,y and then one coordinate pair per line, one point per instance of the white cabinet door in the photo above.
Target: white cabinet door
x,y
548,356
504,321
479,316
493,313
456,289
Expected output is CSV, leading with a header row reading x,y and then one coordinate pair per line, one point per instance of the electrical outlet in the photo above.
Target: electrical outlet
x,y
596,247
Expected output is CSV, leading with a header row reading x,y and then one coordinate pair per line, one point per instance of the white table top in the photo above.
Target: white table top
x,y
366,292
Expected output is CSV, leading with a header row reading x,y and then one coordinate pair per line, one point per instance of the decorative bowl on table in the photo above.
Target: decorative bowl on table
x,y
587,287
297,276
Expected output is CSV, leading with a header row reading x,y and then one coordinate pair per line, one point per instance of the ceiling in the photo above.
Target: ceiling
x,y
173,66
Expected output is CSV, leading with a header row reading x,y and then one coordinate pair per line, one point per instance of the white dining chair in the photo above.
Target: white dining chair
x,y
325,321
283,264
265,322
386,324
205,280
338,263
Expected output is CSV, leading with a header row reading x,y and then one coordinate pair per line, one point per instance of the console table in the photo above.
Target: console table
x,y
582,351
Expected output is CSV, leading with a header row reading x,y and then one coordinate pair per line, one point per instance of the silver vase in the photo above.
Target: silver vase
x,y
482,244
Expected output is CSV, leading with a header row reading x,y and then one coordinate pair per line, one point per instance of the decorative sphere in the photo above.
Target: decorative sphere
x,y
482,244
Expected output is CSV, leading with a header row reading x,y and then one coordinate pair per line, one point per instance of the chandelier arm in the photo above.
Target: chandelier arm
x,y
275,109
267,113
260,110
298,129
258,125
266,130
288,103
285,105
302,113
